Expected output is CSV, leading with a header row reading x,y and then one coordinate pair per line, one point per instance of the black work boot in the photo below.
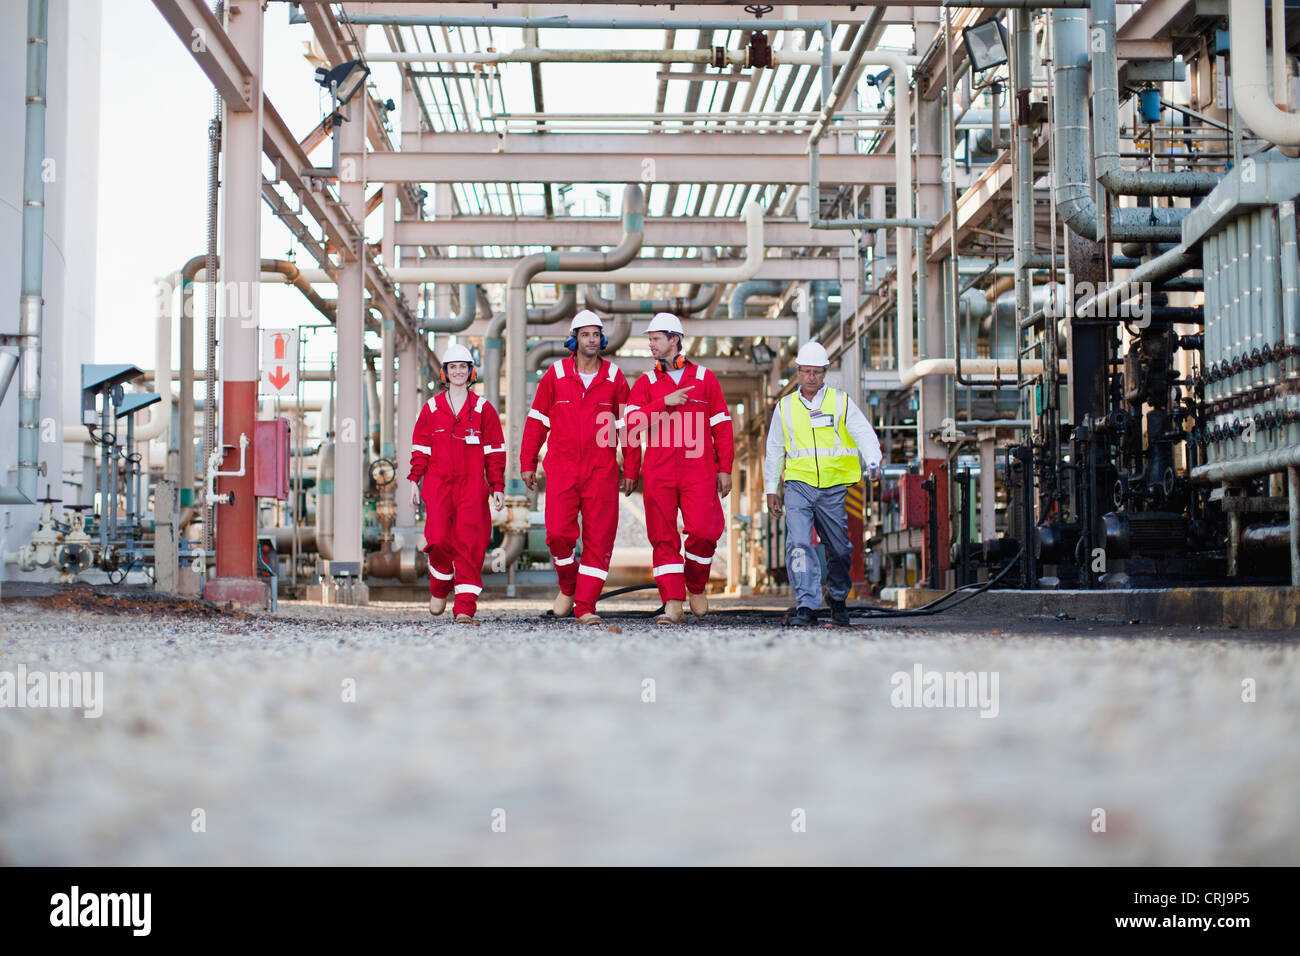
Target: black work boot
x,y
839,612
803,617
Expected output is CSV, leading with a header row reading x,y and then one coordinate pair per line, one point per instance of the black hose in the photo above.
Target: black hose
x,y
862,610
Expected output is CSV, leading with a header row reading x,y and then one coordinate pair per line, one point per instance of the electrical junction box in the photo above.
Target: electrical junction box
x,y
271,458
913,501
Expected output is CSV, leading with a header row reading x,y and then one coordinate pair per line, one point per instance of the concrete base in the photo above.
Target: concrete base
x,y
1267,608
253,594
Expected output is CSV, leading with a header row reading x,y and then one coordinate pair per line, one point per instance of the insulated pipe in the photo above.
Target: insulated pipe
x,y
325,501
1250,94
462,320
1070,149
1105,113
754,252
1174,261
33,252
539,352
746,290
903,223
525,271
676,305
493,342
387,387
532,54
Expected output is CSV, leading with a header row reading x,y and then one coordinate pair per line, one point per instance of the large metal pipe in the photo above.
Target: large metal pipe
x,y
494,341
1250,95
523,273
33,252
1105,115
754,253
677,305
462,320
1070,145
532,54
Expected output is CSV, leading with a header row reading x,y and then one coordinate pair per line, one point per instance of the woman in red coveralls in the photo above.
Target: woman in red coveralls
x,y
460,453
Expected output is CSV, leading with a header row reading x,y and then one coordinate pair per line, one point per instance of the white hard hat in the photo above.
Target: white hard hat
x,y
585,318
665,322
457,353
812,353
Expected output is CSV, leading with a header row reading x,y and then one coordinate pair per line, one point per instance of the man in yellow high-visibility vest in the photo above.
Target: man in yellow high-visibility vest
x,y
817,442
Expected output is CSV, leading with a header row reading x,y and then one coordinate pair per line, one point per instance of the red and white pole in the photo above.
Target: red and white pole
x,y
240,277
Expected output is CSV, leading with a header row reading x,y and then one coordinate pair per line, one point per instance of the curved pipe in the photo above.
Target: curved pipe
x,y
523,273
677,305
744,291
1105,112
494,344
820,291
1250,76
462,320
1073,186
539,352
512,546
754,253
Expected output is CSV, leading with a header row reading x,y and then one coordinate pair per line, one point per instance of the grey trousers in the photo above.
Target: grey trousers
x,y
806,507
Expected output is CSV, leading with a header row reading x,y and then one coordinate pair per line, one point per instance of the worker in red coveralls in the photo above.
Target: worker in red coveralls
x,y
459,452
578,404
677,414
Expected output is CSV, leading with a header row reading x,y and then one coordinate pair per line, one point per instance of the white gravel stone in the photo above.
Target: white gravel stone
x,y
244,718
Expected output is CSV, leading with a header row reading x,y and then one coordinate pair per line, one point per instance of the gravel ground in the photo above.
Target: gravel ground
x,y
543,727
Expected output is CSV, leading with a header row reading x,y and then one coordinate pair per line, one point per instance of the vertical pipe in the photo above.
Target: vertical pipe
x,y
408,408
349,438
388,348
988,488
33,251
1023,197
241,265
210,301
185,431
1293,513
1290,272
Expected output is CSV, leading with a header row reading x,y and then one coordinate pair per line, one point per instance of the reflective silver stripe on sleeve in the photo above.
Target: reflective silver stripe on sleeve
x,y
544,419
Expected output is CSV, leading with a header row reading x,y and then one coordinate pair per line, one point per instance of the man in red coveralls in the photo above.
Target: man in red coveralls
x,y
578,403
677,412
460,453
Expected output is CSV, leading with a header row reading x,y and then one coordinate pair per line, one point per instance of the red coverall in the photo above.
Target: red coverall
x,y
686,447
462,458
581,471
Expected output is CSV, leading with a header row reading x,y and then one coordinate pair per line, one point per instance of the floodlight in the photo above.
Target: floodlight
x,y
986,44
343,80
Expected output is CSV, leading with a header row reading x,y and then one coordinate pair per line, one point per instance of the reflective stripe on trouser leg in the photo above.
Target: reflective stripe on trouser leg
x,y
704,523
562,533
599,526
802,566
661,503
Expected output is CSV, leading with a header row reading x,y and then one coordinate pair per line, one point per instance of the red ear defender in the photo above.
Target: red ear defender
x,y
473,375
666,365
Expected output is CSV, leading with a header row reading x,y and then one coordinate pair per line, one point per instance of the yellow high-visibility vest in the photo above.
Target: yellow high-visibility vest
x,y
822,457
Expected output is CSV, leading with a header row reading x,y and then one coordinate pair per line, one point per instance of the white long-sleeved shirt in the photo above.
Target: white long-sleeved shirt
x,y
859,429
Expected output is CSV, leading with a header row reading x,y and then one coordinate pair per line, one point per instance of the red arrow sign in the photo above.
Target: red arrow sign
x,y
279,378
